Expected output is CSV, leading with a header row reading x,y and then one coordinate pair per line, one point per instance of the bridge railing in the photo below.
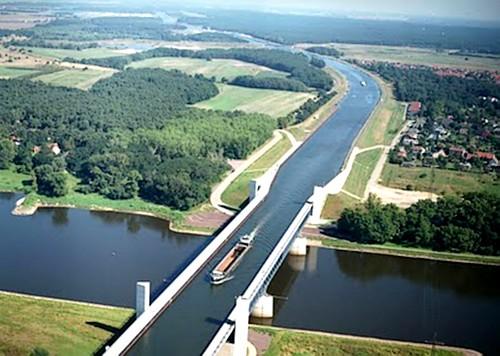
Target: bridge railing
x,y
262,278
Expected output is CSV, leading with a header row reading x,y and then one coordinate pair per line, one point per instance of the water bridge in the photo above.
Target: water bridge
x,y
191,316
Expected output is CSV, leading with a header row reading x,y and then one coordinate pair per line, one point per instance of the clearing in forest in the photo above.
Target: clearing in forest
x,y
75,78
276,103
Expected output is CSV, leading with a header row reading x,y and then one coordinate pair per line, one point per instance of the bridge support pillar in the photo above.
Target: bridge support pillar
x,y
264,307
254,186
241,327
142,295
299,247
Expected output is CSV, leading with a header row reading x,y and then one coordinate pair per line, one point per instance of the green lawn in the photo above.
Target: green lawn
x,y
438,181
272,102
75,78
361,171
237,192
422,56
10,181
217,68
15,72
335,204
286,342
83,54
59,327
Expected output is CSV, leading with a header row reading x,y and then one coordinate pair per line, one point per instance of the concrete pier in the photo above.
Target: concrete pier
x,y
264,307
142,295
299,247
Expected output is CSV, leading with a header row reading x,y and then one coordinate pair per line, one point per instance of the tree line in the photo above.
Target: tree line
x,y
297,65
466,223
277,83
130,135
325,51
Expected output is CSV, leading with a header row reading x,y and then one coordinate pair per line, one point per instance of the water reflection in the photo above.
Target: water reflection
x,y
389,297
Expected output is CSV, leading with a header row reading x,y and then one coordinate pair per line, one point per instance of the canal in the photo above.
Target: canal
x,y
98,257
88,256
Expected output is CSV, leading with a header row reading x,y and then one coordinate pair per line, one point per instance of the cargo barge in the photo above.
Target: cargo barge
x,y
223,271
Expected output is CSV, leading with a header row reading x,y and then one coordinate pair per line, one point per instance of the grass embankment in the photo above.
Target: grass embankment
x,y
293,342
237,192
75,78
414,252
11,181
218,68
384,124
439,181
418,56
61,328
98,202
304,129
272,102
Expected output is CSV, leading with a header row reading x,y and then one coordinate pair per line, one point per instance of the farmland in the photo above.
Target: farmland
x,y
73,53
15,72
218,68
75,78
273,102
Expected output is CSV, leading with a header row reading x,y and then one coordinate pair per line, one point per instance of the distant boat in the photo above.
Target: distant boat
x,y
363,83
223,271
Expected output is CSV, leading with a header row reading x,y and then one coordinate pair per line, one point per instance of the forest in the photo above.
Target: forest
x,y
276,83
325,51
291,29
468,223
130,135
297,65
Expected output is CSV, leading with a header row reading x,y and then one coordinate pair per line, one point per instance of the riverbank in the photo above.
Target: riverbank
x,y
401,251
271,341
58,326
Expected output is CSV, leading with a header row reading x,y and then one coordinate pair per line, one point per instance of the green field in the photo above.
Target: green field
x,y
59,327
286,342
83,54
11,181
335,204
410,55
237,192
15,72
361,171
272,102
386,121
217,68
74,78
439,181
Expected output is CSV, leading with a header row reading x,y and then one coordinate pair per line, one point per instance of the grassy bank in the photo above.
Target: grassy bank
x,y
439,181
75,78
11,181
61,328
335,204
362,169
237,192
294,342
413,252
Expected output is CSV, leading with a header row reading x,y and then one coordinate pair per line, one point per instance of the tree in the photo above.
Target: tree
x,y
50,182
7,153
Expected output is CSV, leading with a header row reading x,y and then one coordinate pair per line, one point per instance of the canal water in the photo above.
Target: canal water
x,y
389,297
98,257
89,256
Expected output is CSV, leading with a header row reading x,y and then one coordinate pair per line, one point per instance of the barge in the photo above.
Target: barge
x,y
223,271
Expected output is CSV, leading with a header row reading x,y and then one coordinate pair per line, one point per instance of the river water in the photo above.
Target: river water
x,y
98,257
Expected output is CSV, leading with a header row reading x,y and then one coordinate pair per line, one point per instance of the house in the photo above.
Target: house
x,y
489,157
414,108
412,133
408,141
439,153
418,150
402,153
16,140
457,152
54,148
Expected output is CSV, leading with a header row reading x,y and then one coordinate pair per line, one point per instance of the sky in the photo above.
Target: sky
x,y
486,10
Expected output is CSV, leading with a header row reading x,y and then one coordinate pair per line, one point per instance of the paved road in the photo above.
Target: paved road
x,y
190,322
